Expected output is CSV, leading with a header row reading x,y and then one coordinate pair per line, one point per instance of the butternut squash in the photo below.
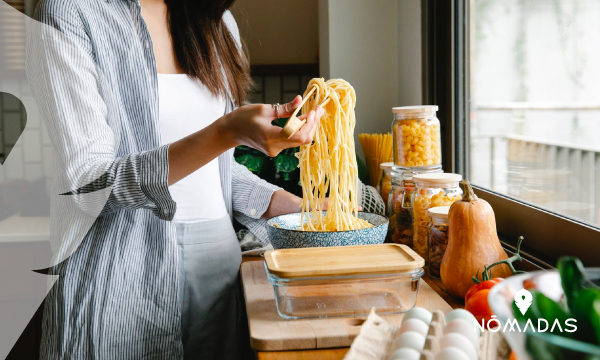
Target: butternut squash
x,y
472,243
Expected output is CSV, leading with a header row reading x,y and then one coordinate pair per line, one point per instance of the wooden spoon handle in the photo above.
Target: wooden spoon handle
x,y
322,105
294,124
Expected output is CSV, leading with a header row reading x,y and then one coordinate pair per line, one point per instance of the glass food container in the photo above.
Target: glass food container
x,y
385,184
344,281
437,238
431,190
416,136
400,209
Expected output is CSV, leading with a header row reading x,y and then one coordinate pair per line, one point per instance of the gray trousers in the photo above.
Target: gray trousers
x,y
212,317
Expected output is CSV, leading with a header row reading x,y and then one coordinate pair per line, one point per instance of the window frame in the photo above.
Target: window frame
x,y
445,45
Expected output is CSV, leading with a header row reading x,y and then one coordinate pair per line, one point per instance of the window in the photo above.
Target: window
x,y
535,102
12,43
519,83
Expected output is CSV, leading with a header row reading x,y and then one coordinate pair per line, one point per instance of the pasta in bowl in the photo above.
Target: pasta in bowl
x,y
285,232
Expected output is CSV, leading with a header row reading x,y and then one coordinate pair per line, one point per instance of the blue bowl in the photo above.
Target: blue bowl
x,y
284,234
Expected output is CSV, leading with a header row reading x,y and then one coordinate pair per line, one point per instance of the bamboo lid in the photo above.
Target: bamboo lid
x,y
343,261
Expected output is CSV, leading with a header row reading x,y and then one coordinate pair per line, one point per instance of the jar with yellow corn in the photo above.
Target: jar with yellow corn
x,y
400,212
416,136
431,190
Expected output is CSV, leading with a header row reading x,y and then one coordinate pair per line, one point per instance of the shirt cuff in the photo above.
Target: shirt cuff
x,y
154,182
260,199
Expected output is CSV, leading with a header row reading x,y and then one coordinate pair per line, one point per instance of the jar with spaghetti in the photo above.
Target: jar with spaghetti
x,y
416,136
385,183
400,204
431,190
437,238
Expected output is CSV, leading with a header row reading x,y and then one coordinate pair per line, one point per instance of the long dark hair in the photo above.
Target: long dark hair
x,y
202,44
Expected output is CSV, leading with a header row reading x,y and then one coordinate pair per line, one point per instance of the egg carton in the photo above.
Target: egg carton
x,y
455,340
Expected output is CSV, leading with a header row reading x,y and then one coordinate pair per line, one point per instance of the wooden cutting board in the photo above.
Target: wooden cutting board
x,y
270,332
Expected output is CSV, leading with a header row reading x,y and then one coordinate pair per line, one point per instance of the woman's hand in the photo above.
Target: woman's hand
x,y
251,125
248,125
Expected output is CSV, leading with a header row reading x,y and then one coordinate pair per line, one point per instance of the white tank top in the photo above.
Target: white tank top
x,y
186,106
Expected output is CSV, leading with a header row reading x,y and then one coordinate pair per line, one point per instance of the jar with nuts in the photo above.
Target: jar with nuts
x,y
437,238
432,190
385,184
400,204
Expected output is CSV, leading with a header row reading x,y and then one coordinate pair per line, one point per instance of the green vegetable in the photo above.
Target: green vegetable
x,y
572,275
581,301
586,309
542,307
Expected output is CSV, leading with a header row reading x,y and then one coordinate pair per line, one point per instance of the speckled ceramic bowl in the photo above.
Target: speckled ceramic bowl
x,y
283,233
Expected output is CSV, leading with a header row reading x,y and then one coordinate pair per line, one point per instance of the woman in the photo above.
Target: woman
x,y
138,100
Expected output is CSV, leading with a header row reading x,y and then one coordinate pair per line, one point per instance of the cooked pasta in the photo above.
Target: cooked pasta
x,y
328,165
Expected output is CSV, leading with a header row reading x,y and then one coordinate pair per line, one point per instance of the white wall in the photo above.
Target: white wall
x,y
410,71
376,46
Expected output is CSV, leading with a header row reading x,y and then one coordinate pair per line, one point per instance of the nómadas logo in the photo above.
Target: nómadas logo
x,y
523,301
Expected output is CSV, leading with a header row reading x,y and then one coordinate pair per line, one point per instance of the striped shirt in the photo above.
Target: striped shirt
x,y
92,69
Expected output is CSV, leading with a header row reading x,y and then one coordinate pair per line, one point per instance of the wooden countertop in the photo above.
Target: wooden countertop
x,y
270,332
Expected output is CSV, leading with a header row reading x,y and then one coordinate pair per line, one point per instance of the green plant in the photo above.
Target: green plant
x,y
281,170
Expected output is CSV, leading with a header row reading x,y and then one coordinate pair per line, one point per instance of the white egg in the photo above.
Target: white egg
x,y
414,325
405,354
462,327
461,342
410,339
460,314
418,313
451,353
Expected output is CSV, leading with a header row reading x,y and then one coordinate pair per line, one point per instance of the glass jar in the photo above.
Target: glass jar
x,y
437,238
431,190
416,136
400,204
385,184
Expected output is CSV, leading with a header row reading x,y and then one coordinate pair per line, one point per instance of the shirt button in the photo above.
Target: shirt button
x,y
253,212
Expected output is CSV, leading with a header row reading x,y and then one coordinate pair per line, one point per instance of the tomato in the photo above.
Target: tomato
x,y
488,284
529,284
476,300
478,306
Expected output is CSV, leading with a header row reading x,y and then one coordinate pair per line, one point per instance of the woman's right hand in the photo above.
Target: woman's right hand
x,y
251,125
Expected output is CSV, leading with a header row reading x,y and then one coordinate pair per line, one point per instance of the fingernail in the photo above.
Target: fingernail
x,y
321,112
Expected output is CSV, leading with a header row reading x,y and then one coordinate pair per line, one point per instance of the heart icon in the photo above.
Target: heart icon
x,y
13,119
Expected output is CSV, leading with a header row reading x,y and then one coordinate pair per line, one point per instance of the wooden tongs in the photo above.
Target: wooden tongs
x,y
294,124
